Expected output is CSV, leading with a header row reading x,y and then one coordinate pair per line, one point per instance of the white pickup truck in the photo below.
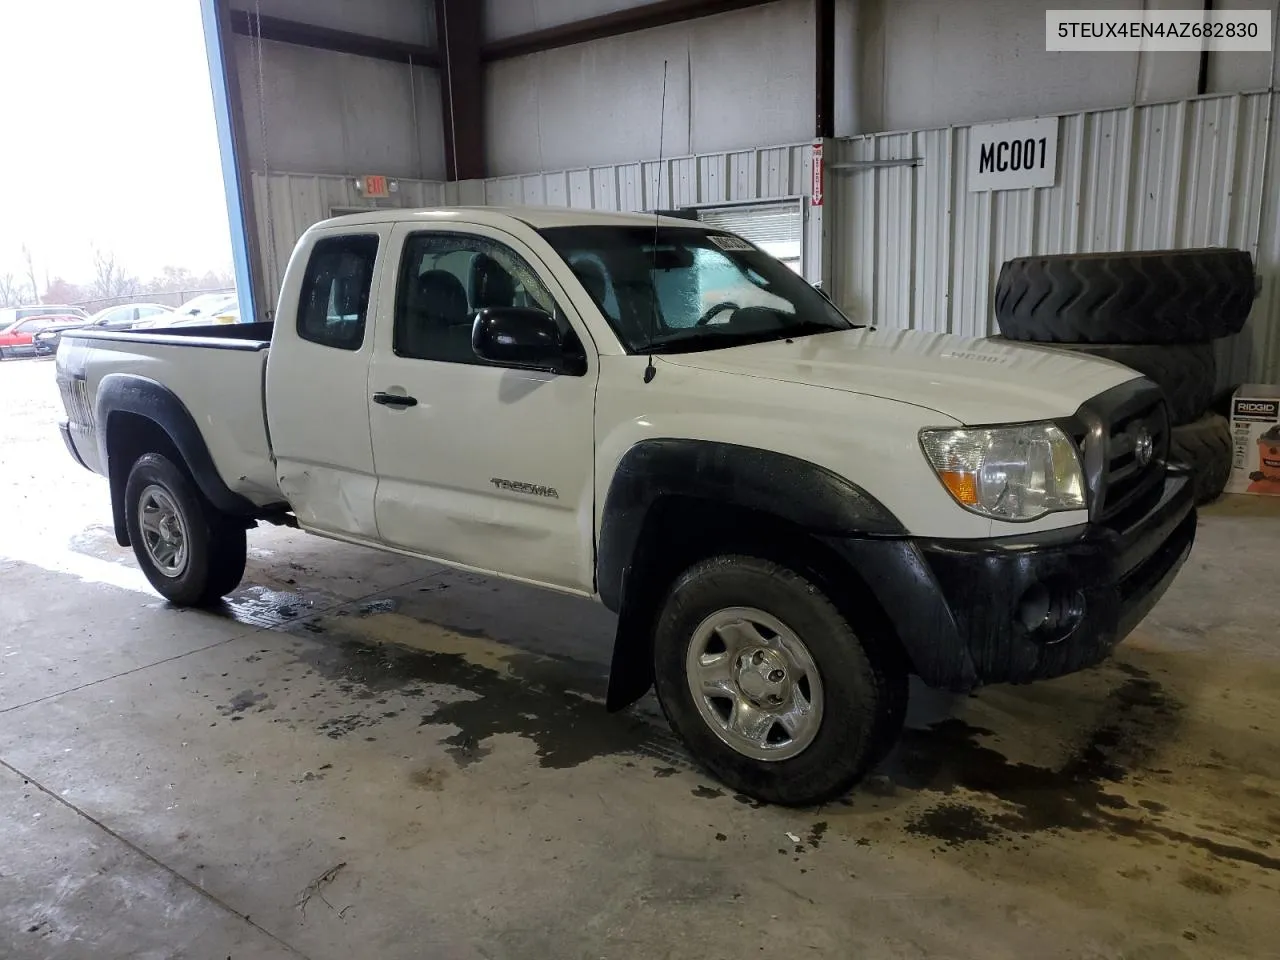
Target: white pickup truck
x,y
789,512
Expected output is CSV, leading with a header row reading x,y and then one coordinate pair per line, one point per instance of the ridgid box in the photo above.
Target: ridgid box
x,y
1255,440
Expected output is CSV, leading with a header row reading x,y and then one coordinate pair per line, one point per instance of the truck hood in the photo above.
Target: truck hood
x,y
972,381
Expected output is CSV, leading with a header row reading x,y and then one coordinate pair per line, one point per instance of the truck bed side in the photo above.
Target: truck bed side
x,y
216,373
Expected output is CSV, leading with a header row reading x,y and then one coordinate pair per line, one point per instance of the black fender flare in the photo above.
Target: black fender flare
x,y
798,492
151,400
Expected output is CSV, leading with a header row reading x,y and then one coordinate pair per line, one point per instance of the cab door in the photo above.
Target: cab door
x,y
317,389
479,465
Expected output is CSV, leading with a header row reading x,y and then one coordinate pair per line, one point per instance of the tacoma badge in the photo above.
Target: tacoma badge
x,y
519,486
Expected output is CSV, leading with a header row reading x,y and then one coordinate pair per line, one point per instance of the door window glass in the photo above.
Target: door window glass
x,y
335,291
445,279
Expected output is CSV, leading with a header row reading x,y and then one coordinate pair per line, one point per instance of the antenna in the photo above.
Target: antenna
x,y
651,371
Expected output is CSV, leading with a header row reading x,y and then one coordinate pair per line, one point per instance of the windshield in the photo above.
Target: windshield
x,y
691,290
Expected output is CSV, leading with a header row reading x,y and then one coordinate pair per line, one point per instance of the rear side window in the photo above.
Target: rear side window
x,y
335,291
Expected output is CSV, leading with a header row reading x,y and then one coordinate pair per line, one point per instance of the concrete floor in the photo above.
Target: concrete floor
x,y
363,756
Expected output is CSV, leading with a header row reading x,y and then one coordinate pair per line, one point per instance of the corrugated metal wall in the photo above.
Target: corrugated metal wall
x,y
912,247
288,203
766,173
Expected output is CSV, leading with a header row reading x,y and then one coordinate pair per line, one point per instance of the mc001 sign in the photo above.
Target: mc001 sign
x,y
1013,156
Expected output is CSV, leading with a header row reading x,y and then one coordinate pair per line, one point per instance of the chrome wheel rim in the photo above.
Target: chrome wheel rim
x,y
755,683
164,533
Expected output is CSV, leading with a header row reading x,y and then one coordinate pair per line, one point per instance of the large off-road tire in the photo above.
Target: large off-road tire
x,y
1156,296
192,554
768,684
1185,372
1205,447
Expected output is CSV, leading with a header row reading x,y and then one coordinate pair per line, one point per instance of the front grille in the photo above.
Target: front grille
x,y
1109,430
1126,479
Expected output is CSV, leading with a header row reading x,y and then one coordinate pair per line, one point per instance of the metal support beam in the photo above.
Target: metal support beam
x,y
228,115
460,31
1202,74
643,17
824,34
245,23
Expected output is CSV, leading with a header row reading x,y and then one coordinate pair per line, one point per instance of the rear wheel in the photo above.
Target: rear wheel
x,y
191,553
769,686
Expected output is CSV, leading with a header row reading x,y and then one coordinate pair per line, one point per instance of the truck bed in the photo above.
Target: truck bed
x,y
217,372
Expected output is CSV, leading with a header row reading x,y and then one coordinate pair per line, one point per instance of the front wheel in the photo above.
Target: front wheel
x,y
769,686
192,554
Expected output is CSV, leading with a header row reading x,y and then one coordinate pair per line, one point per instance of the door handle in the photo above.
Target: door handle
x,y
394,400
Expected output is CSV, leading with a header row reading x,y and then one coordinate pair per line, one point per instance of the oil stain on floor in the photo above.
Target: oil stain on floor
x,y
1150,784
550,701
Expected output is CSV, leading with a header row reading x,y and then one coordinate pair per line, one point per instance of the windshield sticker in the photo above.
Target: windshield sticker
x,y
725,242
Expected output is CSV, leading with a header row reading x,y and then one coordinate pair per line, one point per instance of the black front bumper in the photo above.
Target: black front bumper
x,y
962,607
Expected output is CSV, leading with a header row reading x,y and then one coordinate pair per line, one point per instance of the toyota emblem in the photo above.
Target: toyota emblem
x,y
1143,447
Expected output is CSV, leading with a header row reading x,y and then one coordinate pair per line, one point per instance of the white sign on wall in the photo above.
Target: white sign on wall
x,y
1013,156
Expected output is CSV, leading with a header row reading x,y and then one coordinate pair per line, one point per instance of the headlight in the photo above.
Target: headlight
x,y
1010,473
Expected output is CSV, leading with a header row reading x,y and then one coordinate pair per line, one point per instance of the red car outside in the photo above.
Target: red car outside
x,y
16,337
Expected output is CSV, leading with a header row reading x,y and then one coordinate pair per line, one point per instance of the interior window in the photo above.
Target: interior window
x,y
335,291
445,279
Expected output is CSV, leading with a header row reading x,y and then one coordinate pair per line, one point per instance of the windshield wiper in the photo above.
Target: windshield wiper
x,y
708,339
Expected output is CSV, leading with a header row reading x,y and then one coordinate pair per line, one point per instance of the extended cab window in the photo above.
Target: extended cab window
x,y
335,291
444,279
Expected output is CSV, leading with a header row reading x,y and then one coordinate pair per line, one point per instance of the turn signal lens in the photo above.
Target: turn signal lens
x,y
963,486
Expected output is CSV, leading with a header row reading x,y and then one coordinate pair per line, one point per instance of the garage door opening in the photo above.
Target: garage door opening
x,y
776,228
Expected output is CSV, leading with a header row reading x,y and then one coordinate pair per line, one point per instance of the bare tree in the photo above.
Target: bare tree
x,y
13,292
31,274
110,278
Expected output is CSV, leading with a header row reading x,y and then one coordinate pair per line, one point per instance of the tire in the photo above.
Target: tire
x,y
1204,447
1185,372
211,560
857,704
1157,296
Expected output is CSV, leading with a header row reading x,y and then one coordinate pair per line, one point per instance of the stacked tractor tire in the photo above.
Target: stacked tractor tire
x,y
1157,312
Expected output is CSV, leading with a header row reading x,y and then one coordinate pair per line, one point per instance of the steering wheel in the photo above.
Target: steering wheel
x,y
719,308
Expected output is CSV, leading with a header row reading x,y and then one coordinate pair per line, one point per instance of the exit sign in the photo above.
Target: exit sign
x,y
376,187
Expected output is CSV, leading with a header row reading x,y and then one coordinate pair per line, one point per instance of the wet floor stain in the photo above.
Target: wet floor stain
x,y
428,778
262,607
951,754
954,824
1203,883
537,698
1083,794
1051,786
816,833
241,702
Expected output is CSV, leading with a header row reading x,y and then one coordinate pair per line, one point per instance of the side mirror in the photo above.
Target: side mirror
x,y
525,338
